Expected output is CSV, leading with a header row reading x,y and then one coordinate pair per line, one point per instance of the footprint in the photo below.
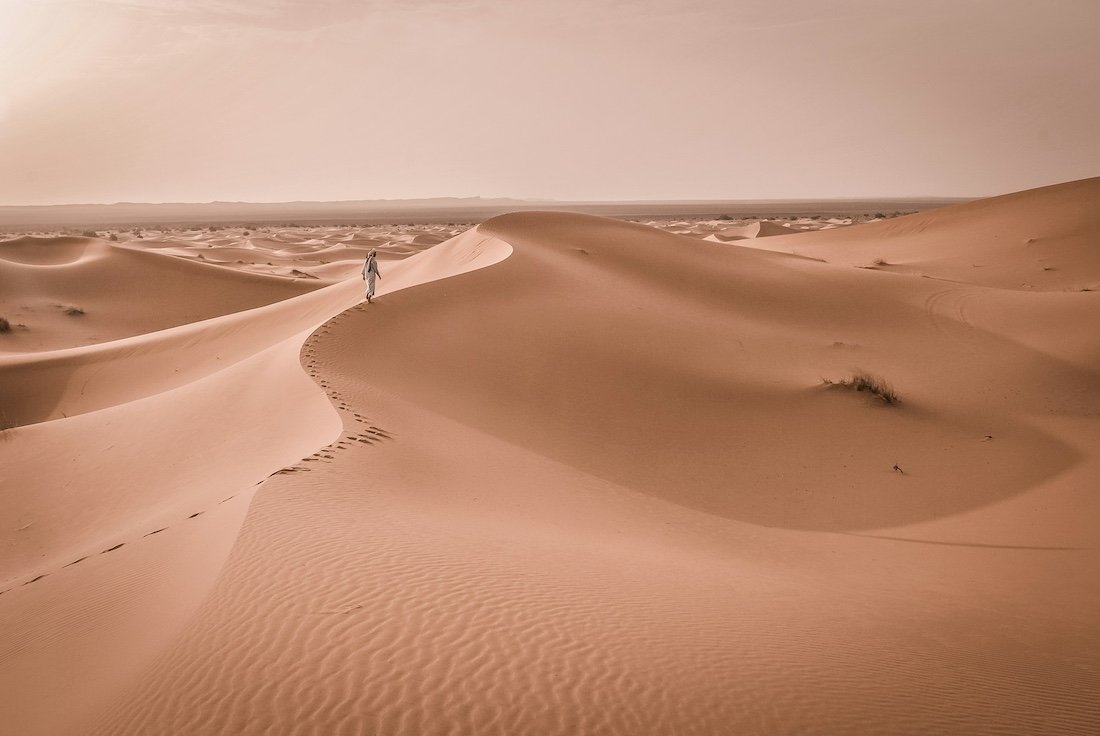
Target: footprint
x,y
197,513
112,549
69,564
155,531
35,580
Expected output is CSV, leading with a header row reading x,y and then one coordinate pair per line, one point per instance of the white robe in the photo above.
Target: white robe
x,y
370,273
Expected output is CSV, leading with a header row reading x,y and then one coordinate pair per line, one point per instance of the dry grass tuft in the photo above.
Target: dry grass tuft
x,y
863,381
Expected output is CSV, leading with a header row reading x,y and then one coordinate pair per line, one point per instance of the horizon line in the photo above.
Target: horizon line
x,y
478,198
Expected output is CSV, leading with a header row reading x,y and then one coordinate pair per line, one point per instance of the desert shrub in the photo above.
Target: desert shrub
x,y
5,326
720,217
90,234
73,310
863,381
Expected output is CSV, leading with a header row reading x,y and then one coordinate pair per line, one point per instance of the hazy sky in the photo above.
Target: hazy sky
x,y
267,100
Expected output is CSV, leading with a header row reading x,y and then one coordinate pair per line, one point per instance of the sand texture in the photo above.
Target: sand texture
x,y
566,475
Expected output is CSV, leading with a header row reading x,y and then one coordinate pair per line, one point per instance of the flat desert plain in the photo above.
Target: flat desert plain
x,y
566,475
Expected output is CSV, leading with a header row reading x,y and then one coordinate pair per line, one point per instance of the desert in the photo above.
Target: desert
x,y
570,368
567,474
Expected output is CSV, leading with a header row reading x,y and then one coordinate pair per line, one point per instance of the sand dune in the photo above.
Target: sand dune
x,y
759,229
1043,239
33,251
89,275
569,475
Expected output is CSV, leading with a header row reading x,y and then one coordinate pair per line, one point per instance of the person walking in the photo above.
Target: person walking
x,y
370,272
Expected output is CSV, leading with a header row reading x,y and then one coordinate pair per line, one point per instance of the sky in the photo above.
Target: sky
x,y
278,100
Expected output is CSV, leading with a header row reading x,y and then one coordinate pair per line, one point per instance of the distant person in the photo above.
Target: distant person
x,y
370,272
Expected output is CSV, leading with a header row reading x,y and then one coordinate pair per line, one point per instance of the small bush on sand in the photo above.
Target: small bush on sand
x,y
863,381
5,326
90,234
73,310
